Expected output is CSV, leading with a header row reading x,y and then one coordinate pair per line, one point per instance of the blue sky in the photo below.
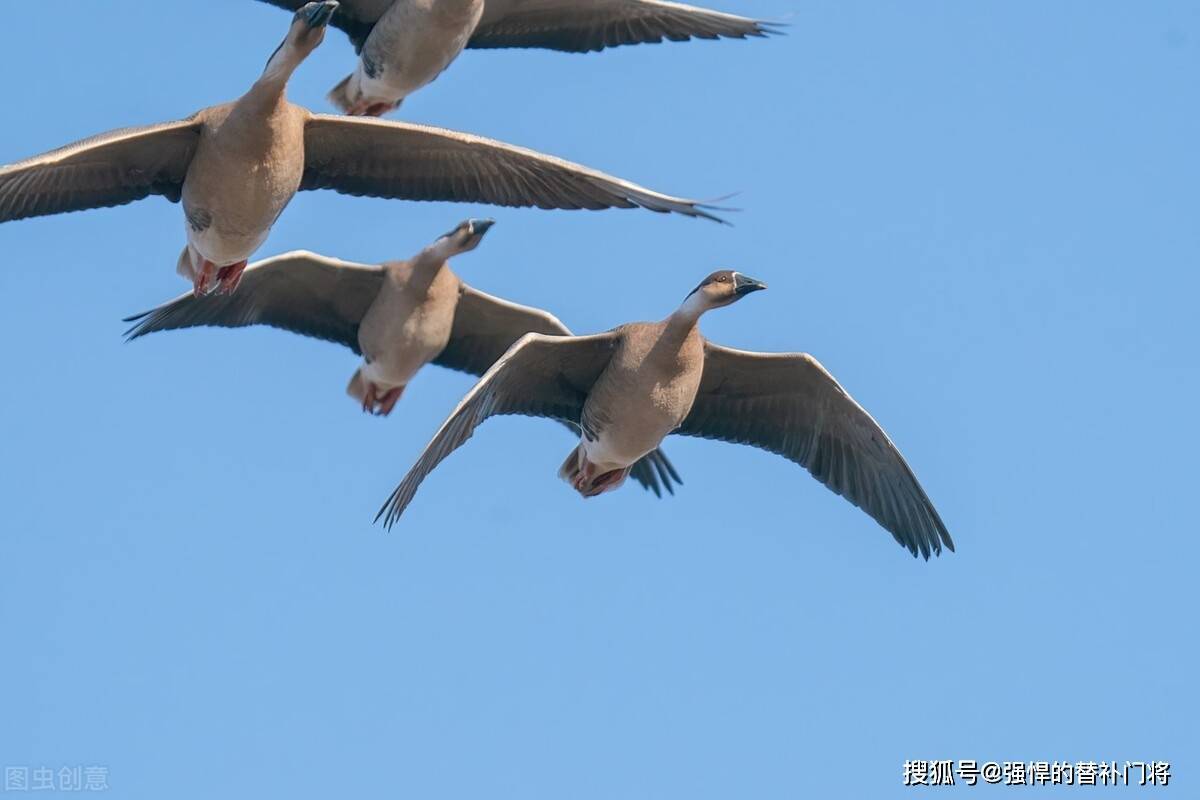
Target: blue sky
x,y
980,217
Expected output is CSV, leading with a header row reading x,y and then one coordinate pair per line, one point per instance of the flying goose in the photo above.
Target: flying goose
x,y
405,44
236,166
399,316
629,388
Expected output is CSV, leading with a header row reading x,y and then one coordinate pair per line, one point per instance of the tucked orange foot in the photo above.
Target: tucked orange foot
x,y
202,281
378,109
388,401
365,109
607,482
583,478
228,278
380,404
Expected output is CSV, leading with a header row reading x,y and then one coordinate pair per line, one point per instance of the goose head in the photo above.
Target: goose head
x,y
308,25
722,288
305,35
465,237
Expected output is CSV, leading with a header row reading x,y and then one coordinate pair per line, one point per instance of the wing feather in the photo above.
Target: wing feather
x,y
382,158
790,405
301,292
581,26
539,376
486,326
110,169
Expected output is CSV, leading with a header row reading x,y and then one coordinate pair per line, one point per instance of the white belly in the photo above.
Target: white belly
x,y
616,447
411,48
399,336
223,248
398,365
391,87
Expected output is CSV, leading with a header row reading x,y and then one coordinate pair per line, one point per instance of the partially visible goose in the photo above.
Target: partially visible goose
x,y
399,316
236,167
404,45
629,388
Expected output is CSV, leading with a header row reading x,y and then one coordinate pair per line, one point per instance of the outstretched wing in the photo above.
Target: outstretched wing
x,y
540,376
300,292
788,404
110,169
486,326
381,158
581,26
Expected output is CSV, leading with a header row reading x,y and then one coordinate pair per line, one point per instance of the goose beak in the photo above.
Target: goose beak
x,y
743,284
478,227
319,14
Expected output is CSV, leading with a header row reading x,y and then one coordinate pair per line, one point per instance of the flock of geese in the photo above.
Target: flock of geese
x,y
235,167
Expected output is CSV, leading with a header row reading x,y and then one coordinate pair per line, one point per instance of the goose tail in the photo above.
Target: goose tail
x,y
569,470
357,388
183,267
340,95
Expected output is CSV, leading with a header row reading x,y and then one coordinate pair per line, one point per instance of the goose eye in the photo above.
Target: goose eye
x,y
723,279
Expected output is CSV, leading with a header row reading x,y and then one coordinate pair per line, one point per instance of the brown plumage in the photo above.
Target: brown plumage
x,y
582,26
404,45
236,167
399,316
632,386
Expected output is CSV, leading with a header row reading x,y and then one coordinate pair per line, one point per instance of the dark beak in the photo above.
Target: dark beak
x,y
745,285
478,227
319,14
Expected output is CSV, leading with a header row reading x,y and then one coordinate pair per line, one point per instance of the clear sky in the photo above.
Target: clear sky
x,y
981,217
